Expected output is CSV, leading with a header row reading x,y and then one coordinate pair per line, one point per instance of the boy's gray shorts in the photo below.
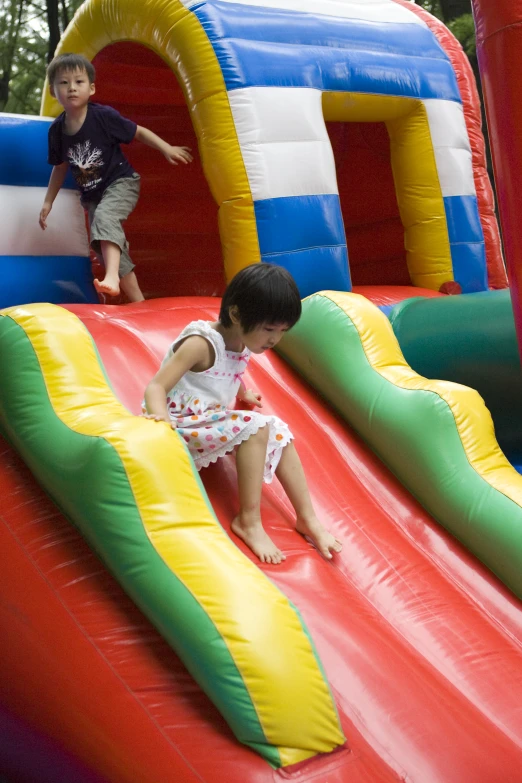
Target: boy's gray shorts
x,y
107,215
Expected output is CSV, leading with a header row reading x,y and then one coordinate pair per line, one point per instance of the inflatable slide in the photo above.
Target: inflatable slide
x,y
339,139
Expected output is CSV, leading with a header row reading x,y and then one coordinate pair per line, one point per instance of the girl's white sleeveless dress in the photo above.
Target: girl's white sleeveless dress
x,y
199,406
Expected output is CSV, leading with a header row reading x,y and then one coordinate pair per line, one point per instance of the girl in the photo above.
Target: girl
x,y
199,378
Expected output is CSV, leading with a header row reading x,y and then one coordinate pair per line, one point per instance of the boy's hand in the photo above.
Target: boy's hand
x,y
252,397
177,154
43,215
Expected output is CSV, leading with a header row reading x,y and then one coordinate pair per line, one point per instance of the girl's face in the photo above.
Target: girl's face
x,y
264,337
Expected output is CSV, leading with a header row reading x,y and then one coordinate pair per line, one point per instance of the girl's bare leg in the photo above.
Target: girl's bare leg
x,y
110,285
130,287
250,460
291,475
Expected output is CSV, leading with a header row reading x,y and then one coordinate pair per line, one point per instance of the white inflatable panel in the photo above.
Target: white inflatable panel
x,y
452,148
66,234
269,121
382,11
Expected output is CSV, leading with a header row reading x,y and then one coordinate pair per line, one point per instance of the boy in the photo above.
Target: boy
x,y
86,137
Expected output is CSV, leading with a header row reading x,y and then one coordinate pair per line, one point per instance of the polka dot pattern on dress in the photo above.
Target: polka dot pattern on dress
x,y
199,407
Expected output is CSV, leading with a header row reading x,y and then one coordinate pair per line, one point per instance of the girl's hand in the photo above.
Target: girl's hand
x,y
177,154
157,417
251,397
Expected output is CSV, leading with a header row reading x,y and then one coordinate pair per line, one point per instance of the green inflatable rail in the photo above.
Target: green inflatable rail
x,y
437,437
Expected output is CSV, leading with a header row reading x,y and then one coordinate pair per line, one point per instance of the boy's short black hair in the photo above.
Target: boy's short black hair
x,y
263,294
70,62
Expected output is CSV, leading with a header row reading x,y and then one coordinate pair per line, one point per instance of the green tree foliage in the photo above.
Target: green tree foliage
x,y
29,33
447,10
463,28
452,9
433,6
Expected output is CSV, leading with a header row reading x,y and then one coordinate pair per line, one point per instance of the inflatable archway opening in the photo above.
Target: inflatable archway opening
x,y
174,231
258,104
420,134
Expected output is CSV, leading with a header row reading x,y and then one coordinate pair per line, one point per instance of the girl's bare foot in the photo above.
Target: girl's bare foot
x,y
108,286
254,536
323,540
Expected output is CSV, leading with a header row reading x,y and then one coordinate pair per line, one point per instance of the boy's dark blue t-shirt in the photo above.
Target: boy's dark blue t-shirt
x,y
94,154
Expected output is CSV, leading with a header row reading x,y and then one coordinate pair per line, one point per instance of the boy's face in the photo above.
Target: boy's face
x,y
72,89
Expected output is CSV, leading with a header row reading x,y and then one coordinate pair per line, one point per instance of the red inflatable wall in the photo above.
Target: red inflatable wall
x,y
173,232
499,42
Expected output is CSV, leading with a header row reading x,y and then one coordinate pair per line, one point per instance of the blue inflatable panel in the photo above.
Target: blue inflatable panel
x,y
282,26
23,158
54,279
463,219
469,267
468,249
299,222
302,53
259,64
316,269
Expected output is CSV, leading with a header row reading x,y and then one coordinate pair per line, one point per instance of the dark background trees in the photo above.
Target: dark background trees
x,y
452,9
29,33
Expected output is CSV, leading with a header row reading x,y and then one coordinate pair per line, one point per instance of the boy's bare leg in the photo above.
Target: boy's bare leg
x,y
130,287
291,475
110,285
250,460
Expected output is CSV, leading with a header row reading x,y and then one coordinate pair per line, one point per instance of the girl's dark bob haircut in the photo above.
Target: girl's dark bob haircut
x,y
70,62
263,294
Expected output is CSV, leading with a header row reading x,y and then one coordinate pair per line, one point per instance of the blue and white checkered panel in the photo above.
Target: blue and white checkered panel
x,y
294,185
277,57
36,265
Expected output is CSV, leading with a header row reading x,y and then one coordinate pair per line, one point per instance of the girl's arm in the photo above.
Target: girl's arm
x,y
173,154
56,179
194,353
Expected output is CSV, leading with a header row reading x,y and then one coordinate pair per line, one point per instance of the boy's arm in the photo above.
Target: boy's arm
x,y
57,177
173,154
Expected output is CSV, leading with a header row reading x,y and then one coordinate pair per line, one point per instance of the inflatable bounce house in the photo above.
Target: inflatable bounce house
x,y
140,641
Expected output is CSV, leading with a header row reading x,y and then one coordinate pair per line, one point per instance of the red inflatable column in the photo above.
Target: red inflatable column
x,y
499,49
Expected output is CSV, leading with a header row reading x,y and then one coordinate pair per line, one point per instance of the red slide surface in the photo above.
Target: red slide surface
x,y
421,644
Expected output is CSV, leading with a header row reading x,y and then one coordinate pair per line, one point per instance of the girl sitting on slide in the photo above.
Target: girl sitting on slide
x,y
200,377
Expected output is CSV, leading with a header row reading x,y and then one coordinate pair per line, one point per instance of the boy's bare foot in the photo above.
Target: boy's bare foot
x,y
324,541
254,536
108,286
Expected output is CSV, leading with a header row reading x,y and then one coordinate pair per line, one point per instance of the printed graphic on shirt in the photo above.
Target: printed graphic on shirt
x,y
87,163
